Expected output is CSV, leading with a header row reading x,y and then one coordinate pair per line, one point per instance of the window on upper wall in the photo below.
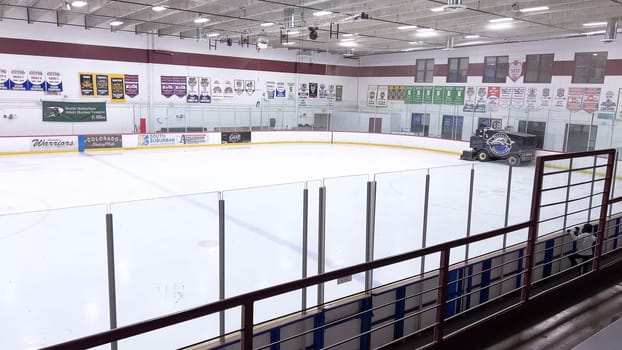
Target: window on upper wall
x,y
457,69
589,67
538,68
496,69
425,70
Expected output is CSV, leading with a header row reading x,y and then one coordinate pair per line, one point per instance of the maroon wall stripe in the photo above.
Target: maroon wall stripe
x,y
613,67
563,68
475,69
387,71
109,53
56,49
441,70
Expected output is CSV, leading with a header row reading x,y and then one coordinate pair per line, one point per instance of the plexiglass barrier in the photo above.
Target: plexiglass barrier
x,y
179,252
557,129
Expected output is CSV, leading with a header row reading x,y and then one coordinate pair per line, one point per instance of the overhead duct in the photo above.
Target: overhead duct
x,y
454,5
611,31
449,45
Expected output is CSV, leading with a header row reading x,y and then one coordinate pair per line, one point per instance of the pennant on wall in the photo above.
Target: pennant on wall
x,y
117,88
131,85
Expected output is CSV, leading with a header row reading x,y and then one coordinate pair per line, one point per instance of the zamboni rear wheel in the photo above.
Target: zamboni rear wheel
x,y
513,160
482,156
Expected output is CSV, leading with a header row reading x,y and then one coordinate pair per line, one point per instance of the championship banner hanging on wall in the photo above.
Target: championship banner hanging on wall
x,y
193,90
53,83
5,83
515,70
250,86
36,81
205,96
102,85
117,88
87,86
18,79
131,85
372,91
59,111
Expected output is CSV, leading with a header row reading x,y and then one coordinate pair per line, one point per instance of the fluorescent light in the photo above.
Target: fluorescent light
x,y
594,32
267,24
289,43
501,20
425,34
347,35
158,8
213,35
322,13
406,27
79,3
500,26
116,23
292,32
348,39
534,9
414,42
472,36
200,20
594,24
348,43
475,42
437,9
424,30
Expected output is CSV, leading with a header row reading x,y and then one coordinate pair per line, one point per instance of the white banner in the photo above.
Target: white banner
x,y
54,143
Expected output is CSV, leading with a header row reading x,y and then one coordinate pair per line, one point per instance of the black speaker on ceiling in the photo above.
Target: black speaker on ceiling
x,y
312,33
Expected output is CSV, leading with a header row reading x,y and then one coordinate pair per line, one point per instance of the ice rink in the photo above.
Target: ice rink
x,y
53,279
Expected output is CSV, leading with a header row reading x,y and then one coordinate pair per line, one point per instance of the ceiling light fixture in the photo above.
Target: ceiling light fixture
x,y
200,20
347,35
414,42
501,20
475,42
79,3
348,44
289,43
611,31
534,9
67,6
406,27
436,9
267,24
471,36
292,32
500,26
159,8
213,35
426,34
594,24
322,13
116,23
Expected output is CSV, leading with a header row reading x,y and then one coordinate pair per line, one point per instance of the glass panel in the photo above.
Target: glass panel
x,y
400,199
263,245
166,260
54,276
449,198
346,199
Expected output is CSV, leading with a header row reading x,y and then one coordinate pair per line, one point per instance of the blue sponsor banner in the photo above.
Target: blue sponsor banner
x,y
36,81
53,83
18,80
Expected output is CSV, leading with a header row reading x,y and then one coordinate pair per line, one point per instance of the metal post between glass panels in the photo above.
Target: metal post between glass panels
x,y
221,259
425,218
112,289
369,234
469,211
321,249
507,205
305,237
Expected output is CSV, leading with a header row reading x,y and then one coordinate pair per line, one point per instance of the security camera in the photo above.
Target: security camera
x,y
515,6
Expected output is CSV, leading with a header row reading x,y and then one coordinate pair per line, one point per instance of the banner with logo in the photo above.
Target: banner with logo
x,y
518,97
238,86
312,90
469,103
545,98
383,92
228,89
338,93
575,99
102,85
494,93
438,95
235,137
270,90
102,141
59,111
372,91
560,98
54,143
249,86
193,90
36,80
591,97
531,100
205,94
131,85
217,90
505,97
117,88
515,70
481,99
5,82
159,139
53,83
18,80
87,85
303,94
280,89
194,139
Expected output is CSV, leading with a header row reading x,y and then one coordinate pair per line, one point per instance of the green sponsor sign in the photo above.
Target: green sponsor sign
x,y
449,95
428,94
60,111
409,95
459,95
418,95
439,92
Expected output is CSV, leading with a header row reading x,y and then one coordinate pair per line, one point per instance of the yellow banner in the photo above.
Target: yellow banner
x,y
117,88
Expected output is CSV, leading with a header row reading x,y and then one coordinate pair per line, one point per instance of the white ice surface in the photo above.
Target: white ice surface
x,y
53,280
